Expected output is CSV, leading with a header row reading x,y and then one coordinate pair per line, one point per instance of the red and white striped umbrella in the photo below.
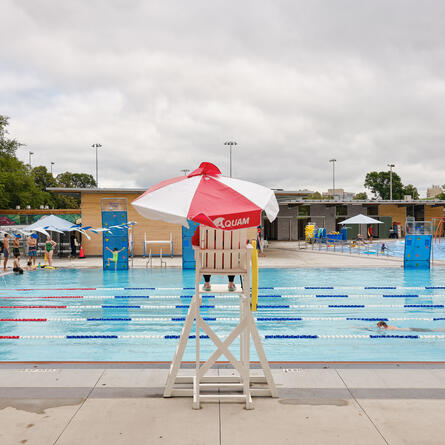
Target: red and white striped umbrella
x,y
207,197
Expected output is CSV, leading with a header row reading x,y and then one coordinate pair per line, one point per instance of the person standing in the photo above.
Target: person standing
x,y
32,248
49,247
259,241
16,247
207,287
73,243
5,250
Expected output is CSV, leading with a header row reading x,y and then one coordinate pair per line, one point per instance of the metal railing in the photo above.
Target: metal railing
x,y
345,247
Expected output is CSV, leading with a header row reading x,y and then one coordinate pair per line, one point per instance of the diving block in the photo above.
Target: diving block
x,y
148,242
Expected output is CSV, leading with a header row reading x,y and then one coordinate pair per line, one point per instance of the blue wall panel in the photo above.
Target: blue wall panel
x,y
188,254
417,251
117,238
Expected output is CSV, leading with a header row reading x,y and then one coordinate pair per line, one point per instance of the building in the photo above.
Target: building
x,y
296,211
433,191
339,194
294,215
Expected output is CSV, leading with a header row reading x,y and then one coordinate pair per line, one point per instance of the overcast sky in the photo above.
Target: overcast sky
x,y
163,84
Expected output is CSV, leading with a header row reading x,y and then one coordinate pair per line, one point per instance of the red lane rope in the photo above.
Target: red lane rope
x,y
53,288
34,296
32,307
23,319
11,337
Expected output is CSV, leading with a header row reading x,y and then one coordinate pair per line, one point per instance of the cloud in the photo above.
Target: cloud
x,y
162,85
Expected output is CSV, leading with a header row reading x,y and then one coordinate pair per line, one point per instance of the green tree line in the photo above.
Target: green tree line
x,y
21,185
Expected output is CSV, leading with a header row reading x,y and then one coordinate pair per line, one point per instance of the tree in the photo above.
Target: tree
x,y
411,190
379,184
7,146
19,185
43,178
75,180
361,196
315,195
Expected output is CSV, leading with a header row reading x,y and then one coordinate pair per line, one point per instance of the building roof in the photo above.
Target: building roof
x,y
285,195
95,190
432,202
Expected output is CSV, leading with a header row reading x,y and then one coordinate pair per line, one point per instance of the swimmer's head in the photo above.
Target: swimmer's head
x,y
115,249
382,325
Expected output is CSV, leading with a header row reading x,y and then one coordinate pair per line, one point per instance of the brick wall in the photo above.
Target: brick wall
x,y
156,230
398,213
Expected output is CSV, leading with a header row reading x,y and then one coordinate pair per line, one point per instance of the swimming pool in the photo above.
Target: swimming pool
x,y
397,248
303,314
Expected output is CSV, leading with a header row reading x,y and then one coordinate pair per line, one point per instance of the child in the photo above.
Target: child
x,y
16,266
115,256
49,247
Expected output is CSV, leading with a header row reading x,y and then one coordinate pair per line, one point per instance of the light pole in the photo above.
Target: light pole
x,y
185,171
96,146
230,144
52,163
30,154
391,166
333,175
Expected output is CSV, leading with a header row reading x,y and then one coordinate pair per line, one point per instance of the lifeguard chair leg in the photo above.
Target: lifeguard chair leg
x,y
177,359
262,356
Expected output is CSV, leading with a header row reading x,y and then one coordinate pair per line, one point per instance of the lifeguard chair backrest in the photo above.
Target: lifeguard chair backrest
x,y
228,249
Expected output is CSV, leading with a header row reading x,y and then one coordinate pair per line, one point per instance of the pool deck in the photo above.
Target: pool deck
x,y
280,254
317,404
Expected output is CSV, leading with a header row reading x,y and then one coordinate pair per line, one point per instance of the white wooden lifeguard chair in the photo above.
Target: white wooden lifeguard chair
x,y
222,253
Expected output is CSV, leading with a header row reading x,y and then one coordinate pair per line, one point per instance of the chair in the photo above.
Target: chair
x,y
221,253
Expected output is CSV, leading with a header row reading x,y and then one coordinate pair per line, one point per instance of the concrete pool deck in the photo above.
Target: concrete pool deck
x,y
317,404
280,254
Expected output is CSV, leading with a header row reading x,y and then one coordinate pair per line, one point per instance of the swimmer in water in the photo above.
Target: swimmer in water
x,y
387,327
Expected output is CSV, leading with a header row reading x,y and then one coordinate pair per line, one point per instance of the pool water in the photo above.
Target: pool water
x,y
303,314
397,248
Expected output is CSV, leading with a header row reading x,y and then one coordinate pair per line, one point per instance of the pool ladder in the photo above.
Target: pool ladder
x,y
149,262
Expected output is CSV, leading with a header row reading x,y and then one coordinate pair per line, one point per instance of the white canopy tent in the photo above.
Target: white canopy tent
x,y
361,220
53,223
